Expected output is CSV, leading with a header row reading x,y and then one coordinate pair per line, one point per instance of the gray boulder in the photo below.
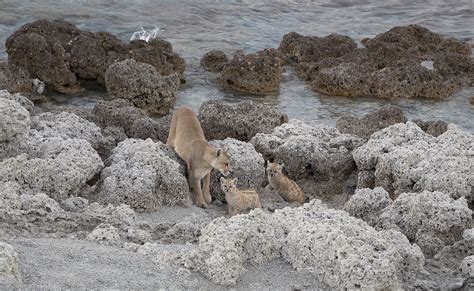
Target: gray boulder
x,y
10,276
404,158
241,121
319,156
14,120
374,121
142,85
368,204
105,234
340,250
143,174
22,100
431,219
247,166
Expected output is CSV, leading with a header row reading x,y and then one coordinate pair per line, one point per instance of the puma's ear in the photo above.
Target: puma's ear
x,y
222,180
234,180
218,153
282,165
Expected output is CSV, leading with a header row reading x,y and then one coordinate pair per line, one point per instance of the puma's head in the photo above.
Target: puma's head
x,y
228,184
221,162
274,169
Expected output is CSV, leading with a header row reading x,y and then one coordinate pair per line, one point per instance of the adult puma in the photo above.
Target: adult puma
x,y
187,139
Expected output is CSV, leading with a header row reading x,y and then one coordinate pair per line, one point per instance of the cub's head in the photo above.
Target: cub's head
x,y
228,185
221,162
274,169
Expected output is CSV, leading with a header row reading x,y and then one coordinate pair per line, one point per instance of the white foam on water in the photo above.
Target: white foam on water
x,y
145,35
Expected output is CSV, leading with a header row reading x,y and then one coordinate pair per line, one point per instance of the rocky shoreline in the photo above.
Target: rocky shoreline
x,y
390,200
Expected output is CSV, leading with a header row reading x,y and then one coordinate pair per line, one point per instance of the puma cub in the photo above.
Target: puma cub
x,y
187,139
239,200
287,188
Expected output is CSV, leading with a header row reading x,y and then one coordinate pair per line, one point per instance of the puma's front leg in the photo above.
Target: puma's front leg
x,y
205,188
196,189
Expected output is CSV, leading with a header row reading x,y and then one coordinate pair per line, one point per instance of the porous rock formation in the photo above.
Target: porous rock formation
x,y
214,61
404,62
257,73
10,276
247,166
241,121
320,155
340,250
143,174
142,85
368,204
58,53
403,158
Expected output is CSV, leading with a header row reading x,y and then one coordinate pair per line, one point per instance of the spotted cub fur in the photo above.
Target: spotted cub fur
x,y
238,200
287,188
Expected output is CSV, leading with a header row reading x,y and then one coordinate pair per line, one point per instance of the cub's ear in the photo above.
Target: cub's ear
x,y
234,180
222,180
218,153
282,165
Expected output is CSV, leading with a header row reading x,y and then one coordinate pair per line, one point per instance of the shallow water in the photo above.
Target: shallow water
x,y
195,27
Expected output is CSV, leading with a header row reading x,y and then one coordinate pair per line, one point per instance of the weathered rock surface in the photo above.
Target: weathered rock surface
x,y
431,219
143,174
300,49
325,242
10,276
241,121
452,256
257,73
318,154
142,85
404,62
105,234
404,158
247,166
214,61
14,120
22,100
58,53
467,267
433,127
368,204
374,121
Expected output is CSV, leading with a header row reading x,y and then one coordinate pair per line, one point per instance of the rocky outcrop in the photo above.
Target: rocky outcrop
x,y
15,120
257,73
10,276
303,49
134,122
20,99
341,251
247,166
144,175
214,61
368,204
142,85
104,234
318,154
58,53
403,158
404,62
241,121
433,127
431,219
374,121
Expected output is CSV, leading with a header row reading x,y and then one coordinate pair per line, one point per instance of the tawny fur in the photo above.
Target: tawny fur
x,y
287,188
239,200
187,139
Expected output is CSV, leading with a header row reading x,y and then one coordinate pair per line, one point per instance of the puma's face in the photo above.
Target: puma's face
x,y
228,184
274,169
221,162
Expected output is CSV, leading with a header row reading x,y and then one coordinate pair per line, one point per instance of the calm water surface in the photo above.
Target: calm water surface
x,y
195,27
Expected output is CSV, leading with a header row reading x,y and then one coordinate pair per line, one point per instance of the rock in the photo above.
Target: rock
x,y
67,53
14,120
247,166
406,159
433,127
105,234
467,267
214,61
10,276
374,121
319,158
142,85
40,204
257,73
404,62
368,204
138,236
451,256
74,204
298,48
241,121
341,251
20,99
431,219
156,129
13,78
142,174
